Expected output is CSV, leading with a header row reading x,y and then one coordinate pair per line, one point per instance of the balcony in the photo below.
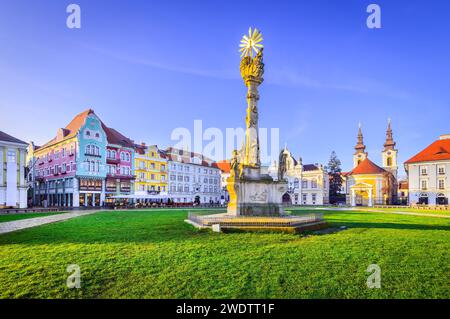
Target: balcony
x,y
120,176
110,160
92,155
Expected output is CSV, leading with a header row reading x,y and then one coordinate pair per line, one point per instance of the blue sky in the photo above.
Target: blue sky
x,y
147,67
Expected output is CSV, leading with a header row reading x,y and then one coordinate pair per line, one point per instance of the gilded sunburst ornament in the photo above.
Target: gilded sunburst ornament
x,y
250,44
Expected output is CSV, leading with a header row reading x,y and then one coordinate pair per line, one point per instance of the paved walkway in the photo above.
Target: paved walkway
x,y
9,227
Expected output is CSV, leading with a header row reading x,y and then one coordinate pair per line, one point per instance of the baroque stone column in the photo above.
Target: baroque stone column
x,y
252,70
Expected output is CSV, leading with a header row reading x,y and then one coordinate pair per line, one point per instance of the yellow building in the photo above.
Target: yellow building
x,y
150,165
369,184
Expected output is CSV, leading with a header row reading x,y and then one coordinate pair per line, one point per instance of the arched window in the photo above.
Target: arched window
x,y
389,161
127,157
122,156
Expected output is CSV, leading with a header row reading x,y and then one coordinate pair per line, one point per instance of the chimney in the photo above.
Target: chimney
x,y
444,137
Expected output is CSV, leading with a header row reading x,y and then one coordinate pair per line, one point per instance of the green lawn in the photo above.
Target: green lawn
x,y
11,217
416,210
154,254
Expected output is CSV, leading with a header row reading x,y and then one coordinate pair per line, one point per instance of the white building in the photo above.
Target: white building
x,y
429,174
192,178
13,188
224,167
307,184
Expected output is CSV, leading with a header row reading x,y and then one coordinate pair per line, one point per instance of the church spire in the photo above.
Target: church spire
x,y
390,143
360,147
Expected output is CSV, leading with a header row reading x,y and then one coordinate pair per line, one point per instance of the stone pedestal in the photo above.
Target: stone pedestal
x,y
255,194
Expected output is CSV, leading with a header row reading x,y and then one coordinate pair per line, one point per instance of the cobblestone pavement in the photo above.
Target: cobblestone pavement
x,y
8,227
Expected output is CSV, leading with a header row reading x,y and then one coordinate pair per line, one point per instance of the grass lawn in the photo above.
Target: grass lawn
x,y
416,210
154,254
11,217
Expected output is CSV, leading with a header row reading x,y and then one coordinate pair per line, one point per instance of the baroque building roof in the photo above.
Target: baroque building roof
x,y
367,167
437,151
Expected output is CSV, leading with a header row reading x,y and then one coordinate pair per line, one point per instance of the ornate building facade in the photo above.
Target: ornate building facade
x,y
429,174
308,184
84,162
13,187
193,178
369,184
151,170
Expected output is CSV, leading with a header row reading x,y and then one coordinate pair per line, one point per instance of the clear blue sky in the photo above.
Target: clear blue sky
x,y
147,67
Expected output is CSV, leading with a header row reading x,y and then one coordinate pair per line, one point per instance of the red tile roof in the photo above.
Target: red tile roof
x,y
437,151
367,167
224,166
115,137
112,135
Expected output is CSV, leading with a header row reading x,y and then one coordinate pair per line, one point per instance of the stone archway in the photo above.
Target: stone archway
x,y
441,199
287,199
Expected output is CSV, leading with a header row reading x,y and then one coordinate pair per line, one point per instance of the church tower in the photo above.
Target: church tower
x,y
360,154
389,154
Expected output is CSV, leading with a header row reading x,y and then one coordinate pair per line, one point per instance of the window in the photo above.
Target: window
x,y
389,162
314,183
441,184
304,198
163,167
314,197
163,178
63,152
424,185
423,170
186,188
64,167
152,165
92,150
304,183
11,157
441,170
153,177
